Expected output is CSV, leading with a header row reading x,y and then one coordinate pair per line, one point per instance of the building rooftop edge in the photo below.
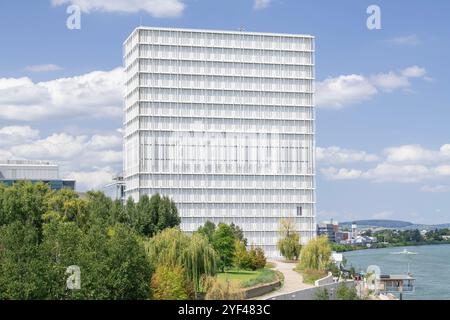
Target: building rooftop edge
x,y
27,163
293,35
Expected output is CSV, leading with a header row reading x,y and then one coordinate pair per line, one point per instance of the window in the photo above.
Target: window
x,y
299,211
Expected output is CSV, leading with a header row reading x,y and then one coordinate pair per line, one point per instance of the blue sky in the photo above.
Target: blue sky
x,y
383,98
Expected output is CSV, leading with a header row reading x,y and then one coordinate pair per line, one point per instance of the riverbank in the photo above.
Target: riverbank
x,y
348,247
429,266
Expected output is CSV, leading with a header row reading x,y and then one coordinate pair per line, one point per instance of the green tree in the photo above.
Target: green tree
x,y
238,233
65,205
242,259
289,242
21,264
99,207
114,264
24,202
207,230
193,253
60,249
223,243
42,232
142,219
316,255
151,215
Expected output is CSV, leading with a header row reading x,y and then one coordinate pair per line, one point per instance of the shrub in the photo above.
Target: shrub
x,y
252,259
310,275
345,293
289,243
221,290
322,294
266,276
257,258
170,284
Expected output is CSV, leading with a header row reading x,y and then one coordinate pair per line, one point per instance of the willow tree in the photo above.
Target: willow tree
x,y
316,255
289,242
173,248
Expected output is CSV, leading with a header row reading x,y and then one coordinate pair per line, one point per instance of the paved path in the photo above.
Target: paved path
x,y
293,281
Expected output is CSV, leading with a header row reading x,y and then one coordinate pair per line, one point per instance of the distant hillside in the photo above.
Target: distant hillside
x,y
428,227
391,224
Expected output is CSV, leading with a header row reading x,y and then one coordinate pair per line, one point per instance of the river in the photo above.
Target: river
x,y
430,267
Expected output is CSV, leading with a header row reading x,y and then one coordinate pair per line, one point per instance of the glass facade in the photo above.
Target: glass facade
x,y
223,122
34,171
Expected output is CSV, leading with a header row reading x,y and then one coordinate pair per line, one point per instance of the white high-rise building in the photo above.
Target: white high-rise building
x,y
223,123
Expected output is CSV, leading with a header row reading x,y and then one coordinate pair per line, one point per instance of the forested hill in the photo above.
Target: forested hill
x,y
391,224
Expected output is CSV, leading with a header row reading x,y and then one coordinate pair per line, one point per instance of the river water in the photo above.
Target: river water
x,y
430,267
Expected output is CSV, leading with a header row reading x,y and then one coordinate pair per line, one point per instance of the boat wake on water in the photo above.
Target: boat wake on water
x,y
405,251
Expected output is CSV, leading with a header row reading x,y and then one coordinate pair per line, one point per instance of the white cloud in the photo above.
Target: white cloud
x,y
337,155
398,80
337,93
435,189
261,4
410,40
414,72
43,68
443,170
17,134
56,146
416,153
390,81
156,8
92,180
402,164
341,174
79,151
445,150
346,90
6,155
95,94
409,153
101,142
386,172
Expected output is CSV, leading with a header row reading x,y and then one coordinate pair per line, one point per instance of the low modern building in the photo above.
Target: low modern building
x,y
12,171
116,189
329,229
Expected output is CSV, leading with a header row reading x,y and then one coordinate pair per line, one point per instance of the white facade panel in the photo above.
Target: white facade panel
x,y
223,123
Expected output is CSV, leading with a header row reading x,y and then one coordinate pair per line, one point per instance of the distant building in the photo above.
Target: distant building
x,y
12,171
354,230
343,236
329,229
116,189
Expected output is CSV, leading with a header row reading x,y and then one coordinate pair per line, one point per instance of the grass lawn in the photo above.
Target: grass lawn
x,y
246,278
310,276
